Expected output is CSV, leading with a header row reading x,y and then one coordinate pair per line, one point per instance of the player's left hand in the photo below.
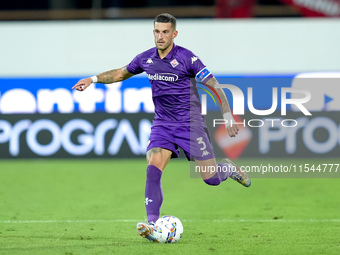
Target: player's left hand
x,y
232,129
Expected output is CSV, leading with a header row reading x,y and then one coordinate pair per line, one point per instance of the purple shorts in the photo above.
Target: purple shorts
x,y
194,141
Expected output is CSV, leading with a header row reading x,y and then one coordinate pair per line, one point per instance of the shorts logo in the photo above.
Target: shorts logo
x,y
163,77
203,74
149,61
174,63
205,153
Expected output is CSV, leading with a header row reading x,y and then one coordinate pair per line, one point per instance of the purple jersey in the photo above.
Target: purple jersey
x,y
173,83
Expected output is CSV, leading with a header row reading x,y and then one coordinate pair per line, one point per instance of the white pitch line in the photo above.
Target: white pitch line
x,y
279,220
134,221
64,221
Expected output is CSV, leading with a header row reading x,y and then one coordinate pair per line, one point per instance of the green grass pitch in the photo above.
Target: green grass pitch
x,y
92,207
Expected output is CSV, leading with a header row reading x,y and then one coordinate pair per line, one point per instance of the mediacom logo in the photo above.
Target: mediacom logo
x,y
163,77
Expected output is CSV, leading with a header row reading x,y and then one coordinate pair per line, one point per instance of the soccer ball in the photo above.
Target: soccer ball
x,y
168,229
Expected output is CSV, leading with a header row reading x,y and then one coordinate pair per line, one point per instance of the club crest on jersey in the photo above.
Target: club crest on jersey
x,y
174,63
149,61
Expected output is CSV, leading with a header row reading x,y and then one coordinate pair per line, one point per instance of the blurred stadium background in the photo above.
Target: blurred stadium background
x,y
240,42
48,45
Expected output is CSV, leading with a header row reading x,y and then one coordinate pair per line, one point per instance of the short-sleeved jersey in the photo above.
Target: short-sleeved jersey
x,y
173,84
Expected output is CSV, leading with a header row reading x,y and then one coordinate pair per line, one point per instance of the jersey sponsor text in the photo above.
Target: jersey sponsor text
x,y
163,77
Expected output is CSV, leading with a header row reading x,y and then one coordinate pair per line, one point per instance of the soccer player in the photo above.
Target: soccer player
x,y
172,71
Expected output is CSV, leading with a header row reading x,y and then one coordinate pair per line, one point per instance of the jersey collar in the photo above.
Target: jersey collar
x,y
170,54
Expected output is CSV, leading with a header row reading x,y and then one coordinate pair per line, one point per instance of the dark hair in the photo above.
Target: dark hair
x,y
166,18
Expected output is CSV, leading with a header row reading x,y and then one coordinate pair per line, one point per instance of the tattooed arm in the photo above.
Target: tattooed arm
x,y
111,76
225,108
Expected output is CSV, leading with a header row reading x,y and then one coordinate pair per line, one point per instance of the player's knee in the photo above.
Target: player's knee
x,y
158,157
155,157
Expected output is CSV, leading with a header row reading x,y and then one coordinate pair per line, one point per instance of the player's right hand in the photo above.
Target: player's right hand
x,y
82,84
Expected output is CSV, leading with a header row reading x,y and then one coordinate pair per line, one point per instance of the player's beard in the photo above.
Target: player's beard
x,y
164,47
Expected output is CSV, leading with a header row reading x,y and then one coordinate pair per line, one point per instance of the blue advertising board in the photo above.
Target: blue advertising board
x,y
54,95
